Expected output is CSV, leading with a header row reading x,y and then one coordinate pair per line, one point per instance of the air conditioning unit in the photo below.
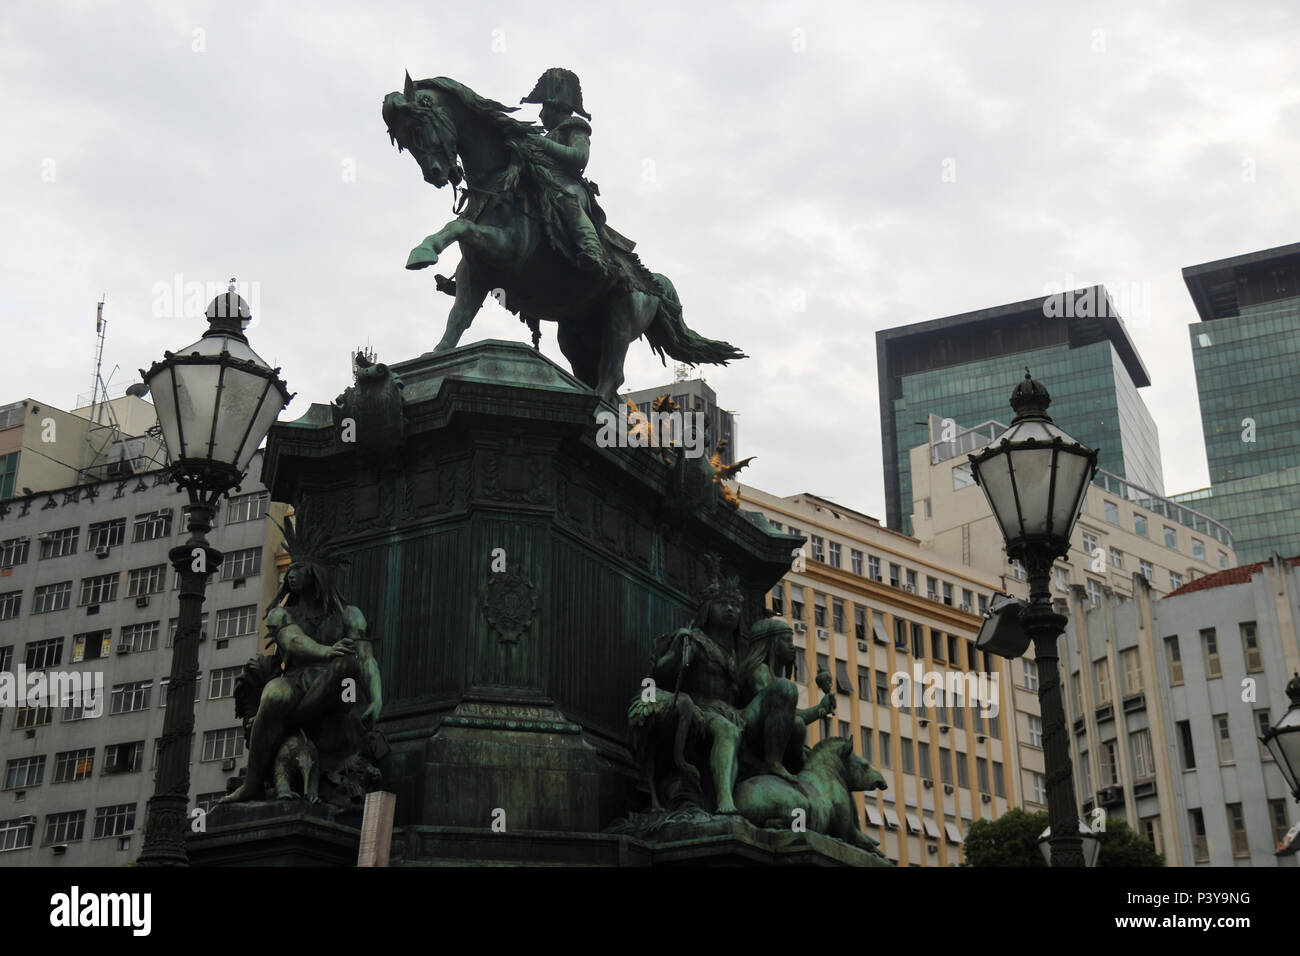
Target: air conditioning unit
x,y
203,636
862,646
980,738
929,784
947,788
985,798
966,608
92,609
932,595
823,634
142,601
1110,796
59,849
924,722
931,848
909,589
943,728
228,763
102,552
239,582
876,577
124,649
800,627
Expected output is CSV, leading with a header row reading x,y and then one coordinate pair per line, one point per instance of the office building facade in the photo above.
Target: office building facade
x,y
964,367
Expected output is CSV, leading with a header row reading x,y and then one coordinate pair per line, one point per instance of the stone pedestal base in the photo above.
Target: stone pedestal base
x,y
277,833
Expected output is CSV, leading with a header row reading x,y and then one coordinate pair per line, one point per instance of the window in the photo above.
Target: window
x,y
172,624
42,654
1175,661
73,765
157,752
13,551
1116,558
882,687
818,548
1148,571
24,772
128,698
1018,571
1171,537
91,646
972,655
1101,680
837,615
51,597
918,640
947,594
1175,581
1062,579
139,637
911,579
936,645
958,713
123,758
1144,761
142,581
1237,827
1076,677
114,820
855,561
842,683
923,760
845,730
6,657
25,718
1132,665
819,609
1035,731
221,744
886,755
967,599
1085,775
865,736
241,621
1030,669
1250,648
864,684
1140,524
995,724
982,774
99,589
1210,644
64,827
1262,725
1198,549
1224,741
999,787
1094,591
11,603
1089,543
1040,788
800,666
151,526
984,604
1277,815
1112,512
57,544
105,534
954,648
1185,747
796,602
932,588
860,623
778,599
909,757
242,564
162,689
1150,829
895,574
247,507
901,631
17,834
945,765
873,567
963,771
835,554
1223,560
1107,764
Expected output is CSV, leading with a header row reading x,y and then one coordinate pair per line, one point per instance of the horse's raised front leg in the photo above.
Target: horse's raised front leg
x,y
471,290
426,253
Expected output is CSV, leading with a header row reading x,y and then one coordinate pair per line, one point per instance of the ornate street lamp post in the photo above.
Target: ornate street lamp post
x,y
1090,842
1283,739
1035,477
216,400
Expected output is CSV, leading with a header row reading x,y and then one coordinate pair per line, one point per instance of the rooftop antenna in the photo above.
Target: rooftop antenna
x,y
101,416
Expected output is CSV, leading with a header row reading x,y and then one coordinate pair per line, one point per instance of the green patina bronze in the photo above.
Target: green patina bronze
x,y
531,232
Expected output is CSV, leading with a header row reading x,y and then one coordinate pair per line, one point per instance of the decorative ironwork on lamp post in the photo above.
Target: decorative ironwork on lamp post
x,y
216,400
1035,477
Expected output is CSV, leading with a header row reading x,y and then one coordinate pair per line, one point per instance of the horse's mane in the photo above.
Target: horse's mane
x,y
830,749
495,113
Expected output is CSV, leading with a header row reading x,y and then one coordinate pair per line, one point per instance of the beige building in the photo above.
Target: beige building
x,y
872,607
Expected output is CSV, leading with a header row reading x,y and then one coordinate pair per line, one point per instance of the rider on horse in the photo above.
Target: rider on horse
x,y
568,142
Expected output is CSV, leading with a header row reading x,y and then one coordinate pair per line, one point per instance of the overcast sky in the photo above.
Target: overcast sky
x,y
805,173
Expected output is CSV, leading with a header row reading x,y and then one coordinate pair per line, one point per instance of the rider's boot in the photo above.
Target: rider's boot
x,y
591,253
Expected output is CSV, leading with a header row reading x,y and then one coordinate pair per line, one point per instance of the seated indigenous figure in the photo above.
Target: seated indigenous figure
x,y
775,729
322,679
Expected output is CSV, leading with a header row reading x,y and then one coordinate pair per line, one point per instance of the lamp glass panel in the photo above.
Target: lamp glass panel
x,y
164,403
1073,472
995,479
196,405
1033,478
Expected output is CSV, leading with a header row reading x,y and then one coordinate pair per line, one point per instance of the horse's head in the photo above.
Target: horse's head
x,y
420,121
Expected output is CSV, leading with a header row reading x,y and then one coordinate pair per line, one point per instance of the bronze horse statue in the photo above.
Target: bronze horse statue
x,y
513,242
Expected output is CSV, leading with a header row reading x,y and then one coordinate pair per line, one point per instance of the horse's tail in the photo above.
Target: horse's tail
x,y
669,335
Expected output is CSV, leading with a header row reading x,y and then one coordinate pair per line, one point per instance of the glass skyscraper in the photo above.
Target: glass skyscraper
x,y
1246,351
964,368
